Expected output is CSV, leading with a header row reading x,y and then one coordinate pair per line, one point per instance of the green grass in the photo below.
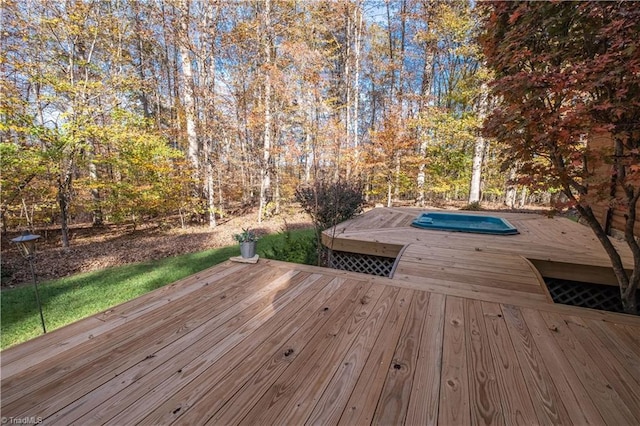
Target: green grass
x,y
72,298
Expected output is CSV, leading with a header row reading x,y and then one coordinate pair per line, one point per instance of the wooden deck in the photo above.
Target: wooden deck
x,y
557,247
278,343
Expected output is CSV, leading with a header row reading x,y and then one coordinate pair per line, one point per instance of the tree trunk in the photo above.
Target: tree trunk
x,y
276,195
220,192
480,149
347,86
523,197
265,175
632,195
476,170
211,195
95,194
356,90
64,200
512,190
628,284
307,160
188,98
392,85
396,191
421,177
425,92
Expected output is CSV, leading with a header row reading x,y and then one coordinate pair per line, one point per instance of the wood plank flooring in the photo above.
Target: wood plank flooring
x,y
557,247
278,343
466,270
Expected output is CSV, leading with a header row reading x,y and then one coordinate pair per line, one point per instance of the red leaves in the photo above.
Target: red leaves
x,y
514,17
564,71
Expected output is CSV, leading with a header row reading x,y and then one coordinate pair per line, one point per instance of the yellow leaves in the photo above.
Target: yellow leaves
x,y
453,21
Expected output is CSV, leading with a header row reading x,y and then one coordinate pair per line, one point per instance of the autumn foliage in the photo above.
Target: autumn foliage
x,y
566,72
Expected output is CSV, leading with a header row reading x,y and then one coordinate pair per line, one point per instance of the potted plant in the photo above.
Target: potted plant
x,y
247,239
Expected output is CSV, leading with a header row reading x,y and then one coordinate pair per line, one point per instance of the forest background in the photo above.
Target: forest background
x,y
132,112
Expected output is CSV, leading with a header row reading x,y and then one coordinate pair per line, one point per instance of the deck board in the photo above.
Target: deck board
x,y
454,391
424,398
174,393
80,332
486,406
516,400
574,396
361,406
546,399
603,395
238,389
281,343
391,408
333,401
557,246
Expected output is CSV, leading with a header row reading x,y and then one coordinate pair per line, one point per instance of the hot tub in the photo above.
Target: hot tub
x,y
478,224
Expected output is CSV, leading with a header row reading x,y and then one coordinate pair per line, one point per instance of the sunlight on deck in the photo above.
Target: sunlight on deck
x,y
279,343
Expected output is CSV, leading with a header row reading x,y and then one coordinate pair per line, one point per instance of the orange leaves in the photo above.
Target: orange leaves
x,y
514,17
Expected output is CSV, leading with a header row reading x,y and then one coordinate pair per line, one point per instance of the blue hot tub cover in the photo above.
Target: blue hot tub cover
x,y
480,224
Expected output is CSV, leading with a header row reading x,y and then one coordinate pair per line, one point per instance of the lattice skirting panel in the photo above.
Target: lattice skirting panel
x,y
365,263
586,295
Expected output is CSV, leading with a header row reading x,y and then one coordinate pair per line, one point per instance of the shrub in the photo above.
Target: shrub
x,y
329,203
300,248
475,206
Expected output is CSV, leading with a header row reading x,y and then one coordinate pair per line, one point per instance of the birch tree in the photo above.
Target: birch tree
x,y
265,166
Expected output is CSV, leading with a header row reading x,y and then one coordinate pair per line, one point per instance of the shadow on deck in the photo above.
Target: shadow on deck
x,y
280,343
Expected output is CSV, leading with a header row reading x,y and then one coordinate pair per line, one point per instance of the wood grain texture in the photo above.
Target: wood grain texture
x,y
602,393
425,393
517,407
545,397
336,395
234,395
614,374
574,396
303,378
364,399
277,343
486,408
92,363
454,387
393,403
203,374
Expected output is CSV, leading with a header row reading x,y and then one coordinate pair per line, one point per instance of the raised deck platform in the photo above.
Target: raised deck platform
x,y
279,343
557,247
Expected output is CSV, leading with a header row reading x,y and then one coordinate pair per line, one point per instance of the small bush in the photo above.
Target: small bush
x,y
329,203
475,206
300,248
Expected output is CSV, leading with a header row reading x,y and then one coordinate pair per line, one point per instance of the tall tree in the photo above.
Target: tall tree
x,y
268,49
74,72
565,72
479,149
188,89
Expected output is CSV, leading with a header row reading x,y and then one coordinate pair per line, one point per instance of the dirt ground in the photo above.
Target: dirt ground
x,y
97,248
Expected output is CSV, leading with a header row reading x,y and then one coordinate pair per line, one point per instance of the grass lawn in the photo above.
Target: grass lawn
x,y
72,298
